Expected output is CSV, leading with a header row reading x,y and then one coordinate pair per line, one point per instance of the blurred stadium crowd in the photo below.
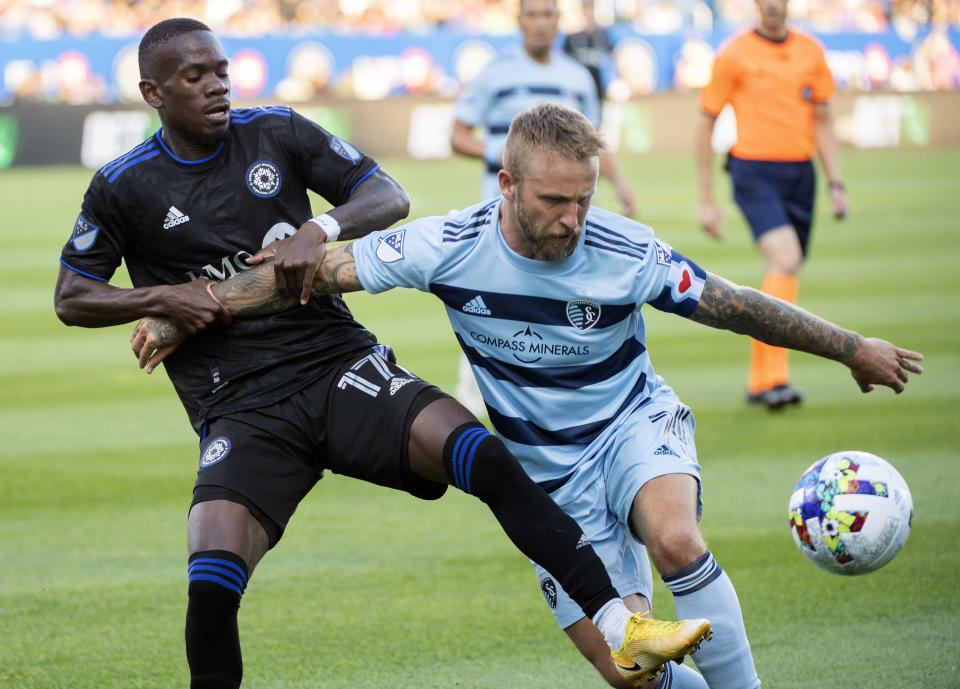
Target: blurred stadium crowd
x,y
84,51
51,19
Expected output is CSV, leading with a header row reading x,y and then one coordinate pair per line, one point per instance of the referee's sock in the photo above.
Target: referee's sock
x,y
480,464
217,579
769,365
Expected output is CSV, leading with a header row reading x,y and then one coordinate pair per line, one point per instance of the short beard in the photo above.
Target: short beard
x,y
541,248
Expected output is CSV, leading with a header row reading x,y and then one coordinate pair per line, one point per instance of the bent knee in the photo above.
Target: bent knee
x,y
674,548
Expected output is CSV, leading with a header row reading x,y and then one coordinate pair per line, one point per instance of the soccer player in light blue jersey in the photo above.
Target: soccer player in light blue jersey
x,y
520,78
544,294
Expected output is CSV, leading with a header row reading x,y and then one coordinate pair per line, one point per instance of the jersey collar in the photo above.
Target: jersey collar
x,y
166,149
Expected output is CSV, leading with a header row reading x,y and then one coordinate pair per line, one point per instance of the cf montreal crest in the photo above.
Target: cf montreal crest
x,y
583,314
216,450
263,179
549,589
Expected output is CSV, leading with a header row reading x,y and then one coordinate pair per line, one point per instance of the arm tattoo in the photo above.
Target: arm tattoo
x,y
338,272
252,293
746,311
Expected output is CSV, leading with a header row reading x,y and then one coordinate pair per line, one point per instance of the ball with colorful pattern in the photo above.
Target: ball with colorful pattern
x,y
850,513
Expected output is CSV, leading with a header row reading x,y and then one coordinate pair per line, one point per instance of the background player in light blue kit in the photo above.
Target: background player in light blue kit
x,y
544,294
520,78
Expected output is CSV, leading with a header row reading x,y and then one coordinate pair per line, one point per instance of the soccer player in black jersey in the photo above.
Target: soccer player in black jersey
x,y
276,400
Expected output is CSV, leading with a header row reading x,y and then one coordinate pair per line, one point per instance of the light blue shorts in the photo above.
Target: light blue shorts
x,y
655,440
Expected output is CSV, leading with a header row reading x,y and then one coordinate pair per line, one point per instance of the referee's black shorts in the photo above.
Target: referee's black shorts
x,y
771,194
355,420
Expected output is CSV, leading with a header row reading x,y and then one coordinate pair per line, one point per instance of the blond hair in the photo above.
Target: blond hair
x,y
549,127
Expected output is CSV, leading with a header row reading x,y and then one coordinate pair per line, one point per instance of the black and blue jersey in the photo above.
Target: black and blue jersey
x,y
171,221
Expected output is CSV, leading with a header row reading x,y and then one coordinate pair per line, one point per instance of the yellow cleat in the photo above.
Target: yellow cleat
x,y
649,643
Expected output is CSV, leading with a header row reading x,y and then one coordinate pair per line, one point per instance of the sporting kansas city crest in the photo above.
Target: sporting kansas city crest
x,y
390,247
84,234
583,314
549,589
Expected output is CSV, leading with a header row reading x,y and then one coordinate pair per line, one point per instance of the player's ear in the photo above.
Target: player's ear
x,y
150,91
508,184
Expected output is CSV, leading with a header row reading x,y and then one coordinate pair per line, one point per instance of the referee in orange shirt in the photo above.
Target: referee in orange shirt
x,y
778,83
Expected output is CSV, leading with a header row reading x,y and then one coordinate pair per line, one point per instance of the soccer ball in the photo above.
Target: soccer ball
x,y
850,513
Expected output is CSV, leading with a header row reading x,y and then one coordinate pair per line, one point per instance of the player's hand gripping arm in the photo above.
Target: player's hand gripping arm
x,y
744,310
248,294
86,302
711,219
375,205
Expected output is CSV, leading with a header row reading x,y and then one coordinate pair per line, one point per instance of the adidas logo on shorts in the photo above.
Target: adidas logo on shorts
x,y
476,306
174,218
666,450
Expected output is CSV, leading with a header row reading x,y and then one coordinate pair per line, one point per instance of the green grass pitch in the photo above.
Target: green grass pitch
x,y
372,588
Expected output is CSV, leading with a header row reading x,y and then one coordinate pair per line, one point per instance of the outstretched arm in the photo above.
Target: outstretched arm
x,y
376,204
746,311
248,294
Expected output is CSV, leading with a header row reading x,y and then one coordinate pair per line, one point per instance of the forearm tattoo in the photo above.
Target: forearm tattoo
x,y
746,311
338,272
252,293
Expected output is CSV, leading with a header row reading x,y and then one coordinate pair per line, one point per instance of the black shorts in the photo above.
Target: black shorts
x,y
355,420
772,194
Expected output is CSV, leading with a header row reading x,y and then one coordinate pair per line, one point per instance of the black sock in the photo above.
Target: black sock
x,y
480,464
217,579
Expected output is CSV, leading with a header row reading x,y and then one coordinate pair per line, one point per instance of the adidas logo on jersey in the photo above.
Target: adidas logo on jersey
x,y
476,306
174,218
582,543
397,383
666,450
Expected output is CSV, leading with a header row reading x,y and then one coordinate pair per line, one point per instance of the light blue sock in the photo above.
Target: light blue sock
x,y
680,677
704,590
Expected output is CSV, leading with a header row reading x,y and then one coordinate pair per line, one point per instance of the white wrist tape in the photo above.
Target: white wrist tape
x,y
329,226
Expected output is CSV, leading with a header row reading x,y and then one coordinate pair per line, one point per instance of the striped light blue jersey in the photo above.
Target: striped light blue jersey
x,y
558,349
513,82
